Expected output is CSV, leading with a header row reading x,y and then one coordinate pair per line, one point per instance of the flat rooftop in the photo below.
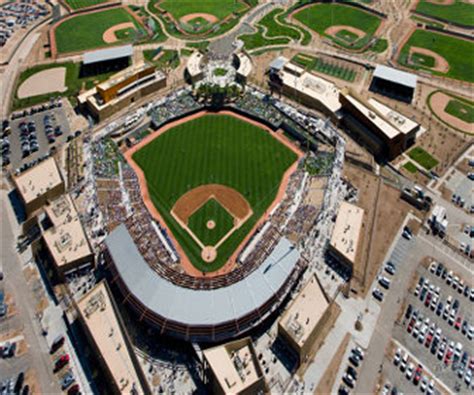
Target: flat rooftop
x,y
209,307
245,66
66,239
124,75
305,312
38,180
346,233
102,322
103,55
194,64
234,367
315,87
396,76
374,117
401,122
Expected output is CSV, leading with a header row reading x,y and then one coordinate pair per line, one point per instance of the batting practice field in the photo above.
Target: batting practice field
x,y
211,178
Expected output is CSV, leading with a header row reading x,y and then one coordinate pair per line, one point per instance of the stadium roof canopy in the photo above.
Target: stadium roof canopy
x,y
103,55
278,63
396,76
199,307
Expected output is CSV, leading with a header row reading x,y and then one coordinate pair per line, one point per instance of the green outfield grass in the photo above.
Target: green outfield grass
x,y
210,211
458,52
461,11
461,109
218,149
423,158
218,8
78,4
319,17
84,32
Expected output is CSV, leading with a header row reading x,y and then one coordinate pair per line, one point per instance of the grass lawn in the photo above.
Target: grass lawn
x,y
169,58
319,17
459,53
423,158
277,29
410,167
199,45
85,32
218,8
422,60
257,40
380,46
77,4
73,83
324,67
216,149
220,72
211,211
125,34
461,11
461,109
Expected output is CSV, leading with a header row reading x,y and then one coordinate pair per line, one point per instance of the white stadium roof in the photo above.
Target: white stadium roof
x,y
103,55
397,76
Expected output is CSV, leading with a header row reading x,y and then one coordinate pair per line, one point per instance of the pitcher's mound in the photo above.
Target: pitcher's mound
x,y
211,224
208,254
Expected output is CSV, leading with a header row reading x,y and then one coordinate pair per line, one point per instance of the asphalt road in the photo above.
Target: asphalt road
x,y
37,356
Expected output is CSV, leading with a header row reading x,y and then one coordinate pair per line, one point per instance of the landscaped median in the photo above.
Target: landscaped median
x,y
423,158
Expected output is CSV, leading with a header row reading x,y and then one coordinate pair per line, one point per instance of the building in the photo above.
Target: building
x,y
106,333
65,239
233,368
438,220
106,60
305,88
194,69
385,132
394,83
301,324
243,65
217,314
122,90
39,184
346,237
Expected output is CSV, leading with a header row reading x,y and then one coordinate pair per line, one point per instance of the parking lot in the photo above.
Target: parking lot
x,y
461,186
438,327
35,134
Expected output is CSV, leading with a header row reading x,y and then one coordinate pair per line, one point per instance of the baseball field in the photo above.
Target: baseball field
x,y
449,56
78,4
211,179
89,31
345,25
457,11
218,8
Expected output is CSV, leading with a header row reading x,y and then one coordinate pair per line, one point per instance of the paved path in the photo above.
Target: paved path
x,y
25,301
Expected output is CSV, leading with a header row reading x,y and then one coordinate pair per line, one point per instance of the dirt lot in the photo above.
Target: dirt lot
x,y
380,202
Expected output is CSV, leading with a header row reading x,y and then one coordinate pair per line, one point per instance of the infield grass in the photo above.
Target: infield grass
x,y
459,53
319,17
210,211
422,60
219,8
461,110
214,149
84,32
459,12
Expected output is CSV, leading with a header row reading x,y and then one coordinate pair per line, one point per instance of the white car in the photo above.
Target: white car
x,y
403,365
470,332
410,369
424,384
397,357
468,377
433,266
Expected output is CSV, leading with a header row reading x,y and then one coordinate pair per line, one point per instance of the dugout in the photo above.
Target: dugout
x,y
106,60
393,83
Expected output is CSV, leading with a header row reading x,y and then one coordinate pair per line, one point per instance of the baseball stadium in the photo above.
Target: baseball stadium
x,y
209,191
